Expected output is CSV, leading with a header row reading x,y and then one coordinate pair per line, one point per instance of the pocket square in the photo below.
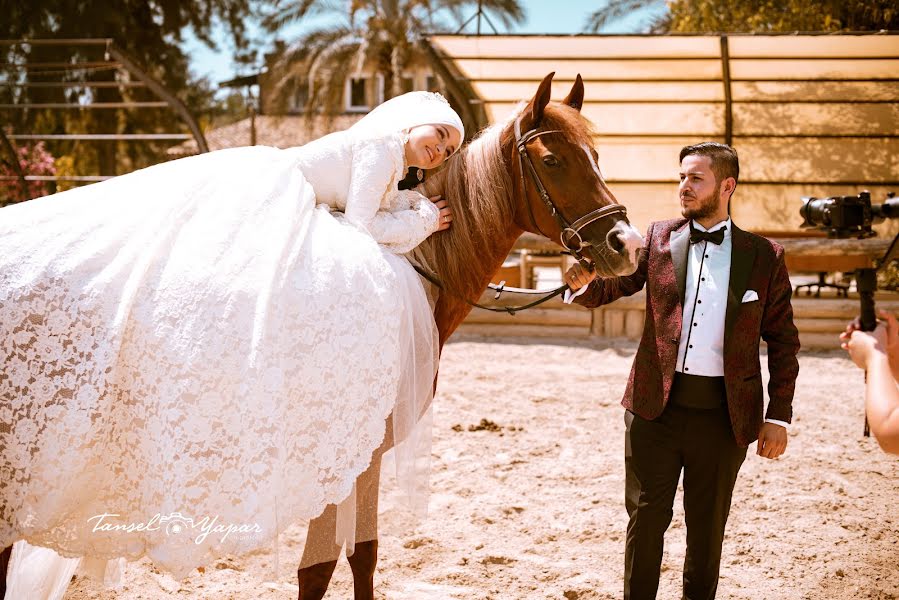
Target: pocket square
x,y
750,296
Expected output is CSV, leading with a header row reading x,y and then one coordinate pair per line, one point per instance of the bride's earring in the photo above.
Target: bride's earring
x,y
420,174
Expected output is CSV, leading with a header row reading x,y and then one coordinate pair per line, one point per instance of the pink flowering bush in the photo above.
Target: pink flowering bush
x,y
33,159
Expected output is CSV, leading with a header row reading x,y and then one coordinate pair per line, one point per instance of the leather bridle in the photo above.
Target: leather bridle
x,y
570,238
570,231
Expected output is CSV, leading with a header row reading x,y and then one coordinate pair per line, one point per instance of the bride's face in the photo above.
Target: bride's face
x,y
430,145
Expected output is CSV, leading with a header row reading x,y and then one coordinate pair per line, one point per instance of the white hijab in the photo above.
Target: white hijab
x,y
407,111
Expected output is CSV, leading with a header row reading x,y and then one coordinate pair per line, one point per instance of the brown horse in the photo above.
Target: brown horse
x,y
495,197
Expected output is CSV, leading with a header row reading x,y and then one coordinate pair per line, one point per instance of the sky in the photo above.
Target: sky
x,y
543,16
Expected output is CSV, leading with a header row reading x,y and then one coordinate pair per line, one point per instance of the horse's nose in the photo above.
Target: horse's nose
x,y
615,240
623,239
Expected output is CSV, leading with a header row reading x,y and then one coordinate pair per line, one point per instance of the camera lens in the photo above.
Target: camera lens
x,y
816,212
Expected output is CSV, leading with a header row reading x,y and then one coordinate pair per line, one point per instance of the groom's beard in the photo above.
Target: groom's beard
x,y
702,207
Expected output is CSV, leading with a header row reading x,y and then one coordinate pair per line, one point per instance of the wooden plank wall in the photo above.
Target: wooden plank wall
x,y
810,115
819,320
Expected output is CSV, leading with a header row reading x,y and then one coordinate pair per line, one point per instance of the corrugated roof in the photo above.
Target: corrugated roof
x,y
280,131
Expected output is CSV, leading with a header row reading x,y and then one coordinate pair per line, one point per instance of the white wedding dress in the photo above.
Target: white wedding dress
x,y
201,353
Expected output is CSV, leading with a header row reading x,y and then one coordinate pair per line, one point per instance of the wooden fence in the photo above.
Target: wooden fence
x,y
810,115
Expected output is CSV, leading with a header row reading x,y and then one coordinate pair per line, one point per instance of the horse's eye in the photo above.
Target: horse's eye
x,y
550,161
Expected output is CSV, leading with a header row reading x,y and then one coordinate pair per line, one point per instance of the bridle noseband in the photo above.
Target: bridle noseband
x,y
570,238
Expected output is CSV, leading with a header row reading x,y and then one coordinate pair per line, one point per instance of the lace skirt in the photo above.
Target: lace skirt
x,y
195,356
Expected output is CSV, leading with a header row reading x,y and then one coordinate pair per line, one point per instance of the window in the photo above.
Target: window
x,y
357,96
432,83
364,93
407,84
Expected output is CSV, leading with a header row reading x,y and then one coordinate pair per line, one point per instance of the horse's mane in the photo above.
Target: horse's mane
x,y
478,185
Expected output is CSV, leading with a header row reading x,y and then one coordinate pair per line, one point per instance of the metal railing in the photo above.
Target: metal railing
x,y
114,59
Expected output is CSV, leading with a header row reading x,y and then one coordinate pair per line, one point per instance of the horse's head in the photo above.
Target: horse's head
x,y
562,194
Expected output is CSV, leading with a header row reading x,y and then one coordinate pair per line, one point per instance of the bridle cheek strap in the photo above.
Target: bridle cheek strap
x,y
523,158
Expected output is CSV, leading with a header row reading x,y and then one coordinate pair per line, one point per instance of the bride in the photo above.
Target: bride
x,y
198,354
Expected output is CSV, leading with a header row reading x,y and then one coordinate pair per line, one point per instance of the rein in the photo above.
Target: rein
x,y
499,289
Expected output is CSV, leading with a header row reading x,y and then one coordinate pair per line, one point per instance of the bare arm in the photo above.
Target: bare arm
x,y
882,403
878,352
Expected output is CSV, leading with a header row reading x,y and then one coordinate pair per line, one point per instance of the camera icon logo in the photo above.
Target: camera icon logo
x,y
177,523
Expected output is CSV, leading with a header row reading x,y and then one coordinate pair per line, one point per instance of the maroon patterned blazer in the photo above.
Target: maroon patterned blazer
x,y
756,264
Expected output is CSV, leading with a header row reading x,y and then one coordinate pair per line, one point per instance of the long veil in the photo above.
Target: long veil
x,y
38,573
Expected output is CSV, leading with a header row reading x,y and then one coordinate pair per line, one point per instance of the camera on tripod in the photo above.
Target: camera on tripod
x,y
847,216
844,217
851,217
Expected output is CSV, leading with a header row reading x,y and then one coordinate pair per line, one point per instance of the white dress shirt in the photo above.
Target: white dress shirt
x,y
701,350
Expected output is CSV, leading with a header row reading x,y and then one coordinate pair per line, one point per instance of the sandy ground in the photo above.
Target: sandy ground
x,y
531,506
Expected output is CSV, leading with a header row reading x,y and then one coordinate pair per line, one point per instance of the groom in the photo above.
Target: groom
x,y
694,399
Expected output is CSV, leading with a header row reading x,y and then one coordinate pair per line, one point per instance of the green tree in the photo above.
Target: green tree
x,y
383,33
753,16
151,32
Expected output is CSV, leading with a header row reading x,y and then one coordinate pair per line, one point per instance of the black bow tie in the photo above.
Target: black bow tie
x,y
716,237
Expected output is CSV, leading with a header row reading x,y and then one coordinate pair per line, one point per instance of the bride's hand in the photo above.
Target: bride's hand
x,y
446,213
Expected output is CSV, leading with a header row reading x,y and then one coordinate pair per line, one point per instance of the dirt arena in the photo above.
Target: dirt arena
x,y
528,489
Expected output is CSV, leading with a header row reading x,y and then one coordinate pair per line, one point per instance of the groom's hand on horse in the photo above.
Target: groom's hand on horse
x,y
446,213
577,277
772,440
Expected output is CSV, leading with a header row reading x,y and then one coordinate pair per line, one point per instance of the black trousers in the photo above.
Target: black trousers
x,y
693,434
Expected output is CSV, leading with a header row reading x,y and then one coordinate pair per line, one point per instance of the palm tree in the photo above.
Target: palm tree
x,y
615,10
380,34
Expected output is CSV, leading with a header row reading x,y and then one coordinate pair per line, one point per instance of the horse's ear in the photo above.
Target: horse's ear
x,y
575,98
539,101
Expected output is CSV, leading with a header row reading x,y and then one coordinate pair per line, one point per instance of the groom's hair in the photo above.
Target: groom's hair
x,y
724,158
